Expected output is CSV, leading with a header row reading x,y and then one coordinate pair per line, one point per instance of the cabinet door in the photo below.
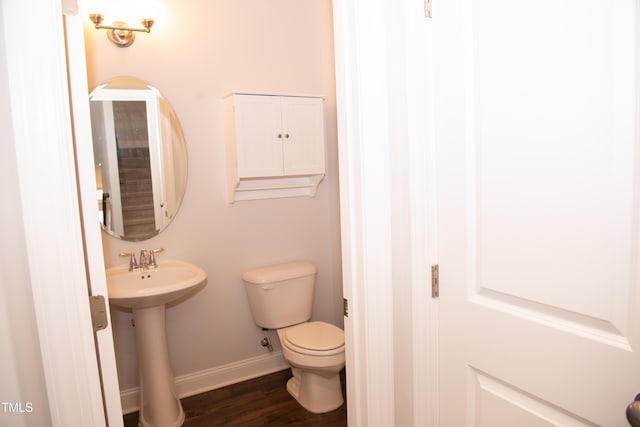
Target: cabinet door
x,y
259,135
303,131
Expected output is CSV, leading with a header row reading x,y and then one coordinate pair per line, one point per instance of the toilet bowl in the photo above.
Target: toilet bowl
x,y
315,351
280,298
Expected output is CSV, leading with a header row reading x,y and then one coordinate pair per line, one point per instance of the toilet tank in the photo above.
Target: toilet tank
x,y
281,295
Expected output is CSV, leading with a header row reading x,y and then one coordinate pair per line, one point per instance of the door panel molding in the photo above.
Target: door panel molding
x,y
495,402
574,323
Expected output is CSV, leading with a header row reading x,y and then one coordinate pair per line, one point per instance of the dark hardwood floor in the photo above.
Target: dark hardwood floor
x,y
261,401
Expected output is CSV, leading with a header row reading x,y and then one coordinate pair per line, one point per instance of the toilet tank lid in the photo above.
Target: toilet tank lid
x,y
276,273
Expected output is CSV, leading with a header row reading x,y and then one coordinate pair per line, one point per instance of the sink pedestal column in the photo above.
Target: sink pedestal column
x,y
159,403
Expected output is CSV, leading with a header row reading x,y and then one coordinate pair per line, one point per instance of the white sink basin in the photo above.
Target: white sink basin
x,y
170,280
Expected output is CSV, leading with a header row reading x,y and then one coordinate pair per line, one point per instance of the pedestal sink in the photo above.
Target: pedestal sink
x,y
146,292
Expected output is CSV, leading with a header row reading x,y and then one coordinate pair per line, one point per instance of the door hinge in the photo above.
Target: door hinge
x,y
427,8
98,312
345,307
435,281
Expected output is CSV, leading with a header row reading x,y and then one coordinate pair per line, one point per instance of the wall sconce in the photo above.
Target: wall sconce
x,y
119,33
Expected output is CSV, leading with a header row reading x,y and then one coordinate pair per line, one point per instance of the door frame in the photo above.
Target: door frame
x,y
92,234
365,117
383,84
364,214
48,189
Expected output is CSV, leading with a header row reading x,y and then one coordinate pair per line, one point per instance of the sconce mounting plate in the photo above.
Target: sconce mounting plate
x,y
121,36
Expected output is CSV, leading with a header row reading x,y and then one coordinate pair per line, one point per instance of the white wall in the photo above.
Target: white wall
x,y
197,52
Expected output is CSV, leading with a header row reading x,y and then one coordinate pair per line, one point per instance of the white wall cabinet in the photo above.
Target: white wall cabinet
x,y
275,145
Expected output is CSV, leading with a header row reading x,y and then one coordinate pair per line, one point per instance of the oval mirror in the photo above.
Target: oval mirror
x,y
140,158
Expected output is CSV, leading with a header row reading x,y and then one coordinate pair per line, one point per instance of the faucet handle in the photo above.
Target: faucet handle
x,y
133,264
152,257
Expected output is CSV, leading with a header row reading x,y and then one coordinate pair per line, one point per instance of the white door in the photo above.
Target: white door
x,y
538,211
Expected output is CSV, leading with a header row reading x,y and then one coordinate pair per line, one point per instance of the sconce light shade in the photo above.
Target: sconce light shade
x,y
119,32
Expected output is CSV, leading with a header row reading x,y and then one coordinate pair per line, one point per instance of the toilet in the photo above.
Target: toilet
x,y
281,298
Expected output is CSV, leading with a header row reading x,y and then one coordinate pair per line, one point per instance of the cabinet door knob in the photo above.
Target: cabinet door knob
x,y
286,135
279,135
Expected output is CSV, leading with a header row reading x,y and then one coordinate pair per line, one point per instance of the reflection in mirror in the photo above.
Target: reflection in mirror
x,y
140,158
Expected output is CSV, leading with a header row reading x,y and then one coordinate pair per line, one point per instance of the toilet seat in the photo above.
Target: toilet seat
x,y
314,339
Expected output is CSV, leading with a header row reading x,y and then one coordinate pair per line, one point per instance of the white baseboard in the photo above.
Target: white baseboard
x,y
210,379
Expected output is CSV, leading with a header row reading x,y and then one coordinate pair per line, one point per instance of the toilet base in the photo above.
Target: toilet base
x,y
317,393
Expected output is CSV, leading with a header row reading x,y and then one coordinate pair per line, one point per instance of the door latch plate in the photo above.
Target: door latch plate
x,y
98,312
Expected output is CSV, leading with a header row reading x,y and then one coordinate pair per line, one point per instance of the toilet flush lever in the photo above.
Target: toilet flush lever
x,y
267,288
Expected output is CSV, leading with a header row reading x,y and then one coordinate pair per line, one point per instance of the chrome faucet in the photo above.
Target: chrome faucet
x,y
147,259
152,257
144,259
133,264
